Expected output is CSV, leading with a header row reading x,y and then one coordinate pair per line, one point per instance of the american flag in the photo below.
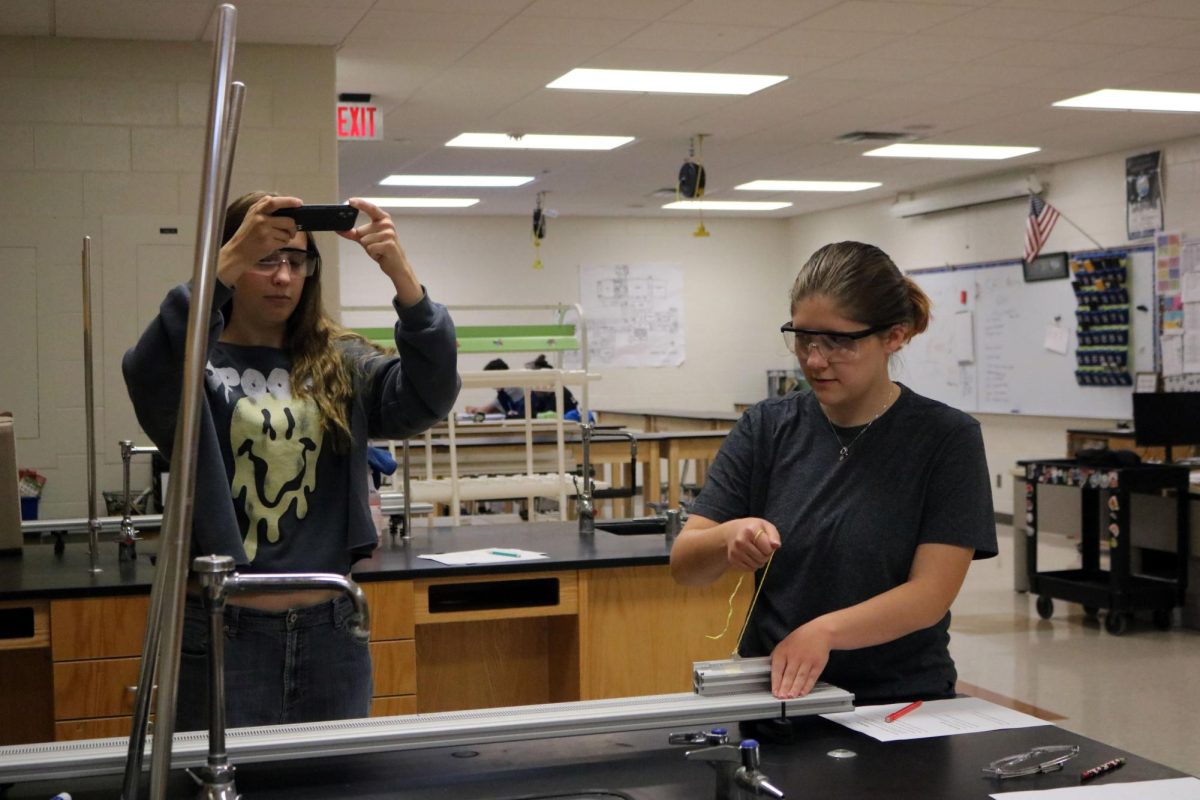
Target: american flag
x,y
1038,225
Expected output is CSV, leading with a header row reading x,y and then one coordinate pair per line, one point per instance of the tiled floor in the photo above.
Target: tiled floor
x,y
1139,691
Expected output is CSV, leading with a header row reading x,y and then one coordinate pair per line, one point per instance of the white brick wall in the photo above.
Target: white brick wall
x,y
98,129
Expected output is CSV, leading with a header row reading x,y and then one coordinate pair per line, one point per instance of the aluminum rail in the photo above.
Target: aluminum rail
x,y
89,407
80,524
160,653
63,760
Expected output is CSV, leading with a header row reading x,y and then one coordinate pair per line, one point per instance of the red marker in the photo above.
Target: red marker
x,y
1107,766
895,715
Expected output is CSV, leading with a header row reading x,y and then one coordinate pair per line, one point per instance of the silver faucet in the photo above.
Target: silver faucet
x,y
219,580
585,506
585,495
127,538
738,773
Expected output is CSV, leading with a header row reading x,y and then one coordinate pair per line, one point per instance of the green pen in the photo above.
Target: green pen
x,y
508,553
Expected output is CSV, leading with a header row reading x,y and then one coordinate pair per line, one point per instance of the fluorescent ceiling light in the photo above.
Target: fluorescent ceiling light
x,y
422,202
807,186
538,141
1134,100
965,151
724,205
456,180
641,80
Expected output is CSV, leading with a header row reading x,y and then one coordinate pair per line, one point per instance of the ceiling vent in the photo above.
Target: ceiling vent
x,y
964,195
874,136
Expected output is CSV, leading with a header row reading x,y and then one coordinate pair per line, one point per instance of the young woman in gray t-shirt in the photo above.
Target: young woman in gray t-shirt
x,y
859,504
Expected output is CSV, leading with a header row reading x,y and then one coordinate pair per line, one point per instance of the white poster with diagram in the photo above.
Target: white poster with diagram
x,y
634,314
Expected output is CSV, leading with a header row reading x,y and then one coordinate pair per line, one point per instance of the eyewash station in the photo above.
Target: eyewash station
x,y
551,657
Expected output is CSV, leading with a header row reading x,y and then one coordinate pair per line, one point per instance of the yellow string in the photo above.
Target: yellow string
x,y
749,611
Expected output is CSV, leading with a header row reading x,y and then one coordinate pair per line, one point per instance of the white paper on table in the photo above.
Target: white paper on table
x,y
1168,789
1056,339
933,718
489,555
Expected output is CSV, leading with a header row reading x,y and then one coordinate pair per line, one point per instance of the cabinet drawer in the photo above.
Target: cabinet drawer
x,y
98,627
102,688
486,597
390,604
395,667
75,729
394,706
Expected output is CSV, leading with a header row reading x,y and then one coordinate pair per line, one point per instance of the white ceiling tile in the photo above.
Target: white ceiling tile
x,y
608,9
1097,7
691,36
25,17
503,7
826,44
1060,54
1011,23
397,26
561,112
1187,80
946,49
865,15
866,68
384,53
643,58
750,12
592,33
1179,9
553,59
1129,29
989,75
755,60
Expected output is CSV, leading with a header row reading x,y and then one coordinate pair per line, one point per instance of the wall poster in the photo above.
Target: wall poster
x,y
1143,195
634,314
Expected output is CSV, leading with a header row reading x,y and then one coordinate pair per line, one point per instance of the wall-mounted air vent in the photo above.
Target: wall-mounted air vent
x,y
874,136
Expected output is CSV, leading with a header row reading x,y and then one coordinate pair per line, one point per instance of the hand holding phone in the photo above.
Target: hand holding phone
x,y
335,217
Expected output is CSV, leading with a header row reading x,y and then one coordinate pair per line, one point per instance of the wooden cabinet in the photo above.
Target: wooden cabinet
x,y
393,650
96,647
437,644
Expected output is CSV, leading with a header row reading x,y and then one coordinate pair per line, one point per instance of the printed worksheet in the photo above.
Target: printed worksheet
x,y
489,555
933,718
1169,789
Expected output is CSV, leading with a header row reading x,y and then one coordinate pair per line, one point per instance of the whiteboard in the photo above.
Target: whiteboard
x,y
1006,367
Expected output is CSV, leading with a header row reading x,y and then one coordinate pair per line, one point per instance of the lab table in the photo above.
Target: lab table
x,y
641,765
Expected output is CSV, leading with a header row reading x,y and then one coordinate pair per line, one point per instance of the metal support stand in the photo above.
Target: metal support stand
x,y
160,650
219,580
89,407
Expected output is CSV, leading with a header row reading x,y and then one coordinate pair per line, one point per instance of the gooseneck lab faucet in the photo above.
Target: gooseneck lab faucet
x,y
219,580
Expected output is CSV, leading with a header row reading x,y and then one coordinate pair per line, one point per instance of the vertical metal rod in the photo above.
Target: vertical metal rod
x,y
163,631
407,493
89,408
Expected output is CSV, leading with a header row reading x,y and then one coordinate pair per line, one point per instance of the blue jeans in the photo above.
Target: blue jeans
x,y
301,665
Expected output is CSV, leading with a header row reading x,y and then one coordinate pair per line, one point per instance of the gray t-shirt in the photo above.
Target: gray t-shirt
x,y
850,529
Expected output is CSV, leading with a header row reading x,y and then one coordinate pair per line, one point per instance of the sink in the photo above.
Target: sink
x,y
637,526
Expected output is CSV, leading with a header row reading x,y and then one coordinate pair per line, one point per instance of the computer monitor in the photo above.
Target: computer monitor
x,y
1166,418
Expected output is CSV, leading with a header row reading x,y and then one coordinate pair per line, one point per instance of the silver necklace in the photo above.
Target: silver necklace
x,y
844,447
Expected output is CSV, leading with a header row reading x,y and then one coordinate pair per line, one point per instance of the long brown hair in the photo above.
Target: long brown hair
x,y
319,369
865,284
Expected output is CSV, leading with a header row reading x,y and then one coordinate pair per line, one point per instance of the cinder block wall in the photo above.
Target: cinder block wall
x,y
101,135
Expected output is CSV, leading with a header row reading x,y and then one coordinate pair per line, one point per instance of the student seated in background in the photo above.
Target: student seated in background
x,y
872,499
510,400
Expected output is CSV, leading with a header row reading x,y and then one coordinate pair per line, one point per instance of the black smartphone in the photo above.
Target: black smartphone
x,y
321,218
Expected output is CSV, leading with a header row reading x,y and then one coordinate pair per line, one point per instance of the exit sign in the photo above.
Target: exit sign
x,y
359,121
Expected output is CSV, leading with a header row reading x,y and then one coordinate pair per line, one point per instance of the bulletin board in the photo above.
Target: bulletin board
x,y
999,345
